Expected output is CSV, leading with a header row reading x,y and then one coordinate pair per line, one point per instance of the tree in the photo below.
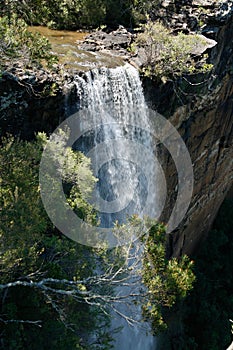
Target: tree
x,y
52,284
59,14
16,42
32,250
168,281
73,14
142,9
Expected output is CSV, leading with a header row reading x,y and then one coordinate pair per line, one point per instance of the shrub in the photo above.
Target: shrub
x,y
169,55
16,42
168,281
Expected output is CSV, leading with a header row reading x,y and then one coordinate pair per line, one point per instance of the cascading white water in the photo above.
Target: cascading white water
x,y
116,101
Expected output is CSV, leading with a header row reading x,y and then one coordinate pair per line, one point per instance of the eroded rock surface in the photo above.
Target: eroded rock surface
x,y
115,42
203,115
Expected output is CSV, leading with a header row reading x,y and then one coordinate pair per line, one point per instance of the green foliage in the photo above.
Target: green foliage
x,y
168,55
31,249
73,14
209,307
75,171
143,9
16,42
119,12
168,281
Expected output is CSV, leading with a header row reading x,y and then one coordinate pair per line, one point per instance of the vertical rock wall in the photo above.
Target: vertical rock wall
x,y
205,121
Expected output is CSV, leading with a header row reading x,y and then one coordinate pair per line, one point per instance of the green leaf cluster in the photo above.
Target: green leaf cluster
x,y
168,280
71,14
168,55
143,9
32,249
17,43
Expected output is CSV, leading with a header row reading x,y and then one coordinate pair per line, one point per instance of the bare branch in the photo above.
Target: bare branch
x,y
35,323
119,283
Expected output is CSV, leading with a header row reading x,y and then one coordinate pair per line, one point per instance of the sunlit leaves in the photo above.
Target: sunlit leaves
x,y
168,280
31,248
16,42
169,55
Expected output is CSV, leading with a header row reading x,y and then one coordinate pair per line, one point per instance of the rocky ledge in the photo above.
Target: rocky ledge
x,y
115,43
204,16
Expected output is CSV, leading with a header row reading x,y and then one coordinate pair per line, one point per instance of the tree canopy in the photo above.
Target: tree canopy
x,y
52,294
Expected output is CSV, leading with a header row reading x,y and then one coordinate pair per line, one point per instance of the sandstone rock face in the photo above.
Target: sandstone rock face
x,y
204,118
208,132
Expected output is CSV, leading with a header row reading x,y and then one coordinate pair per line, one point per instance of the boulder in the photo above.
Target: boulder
x,y
100,40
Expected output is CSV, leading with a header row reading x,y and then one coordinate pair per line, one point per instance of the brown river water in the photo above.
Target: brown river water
x,y
65,46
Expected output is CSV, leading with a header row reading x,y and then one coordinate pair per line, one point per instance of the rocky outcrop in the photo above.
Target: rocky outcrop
x,y
32,101
116,42
195,15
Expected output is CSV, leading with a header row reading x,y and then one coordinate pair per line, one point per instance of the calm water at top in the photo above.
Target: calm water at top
x,y
64,44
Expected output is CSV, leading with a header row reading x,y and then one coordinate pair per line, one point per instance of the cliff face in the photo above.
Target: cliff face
x,y
208,131
33,101
202,113
205,120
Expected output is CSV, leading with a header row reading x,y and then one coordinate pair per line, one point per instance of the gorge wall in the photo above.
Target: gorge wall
x,y
206,126
203,115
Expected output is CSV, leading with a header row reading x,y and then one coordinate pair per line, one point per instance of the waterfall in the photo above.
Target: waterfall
x,y
126,172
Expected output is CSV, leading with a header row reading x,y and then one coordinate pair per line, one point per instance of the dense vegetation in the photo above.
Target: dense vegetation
x,y
31,249
202,320
18,44
168,281
51,294
168,55
73,14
